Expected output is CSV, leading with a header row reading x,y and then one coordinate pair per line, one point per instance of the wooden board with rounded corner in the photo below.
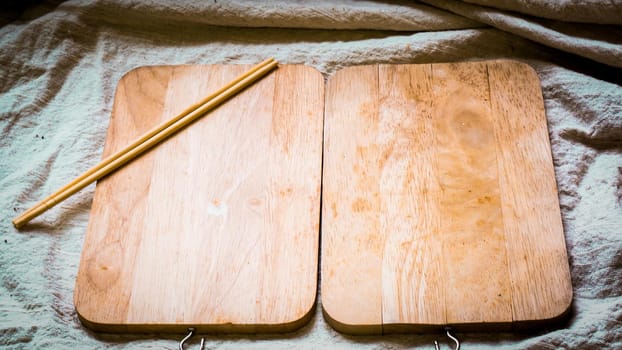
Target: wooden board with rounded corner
x,y
217,228
439,200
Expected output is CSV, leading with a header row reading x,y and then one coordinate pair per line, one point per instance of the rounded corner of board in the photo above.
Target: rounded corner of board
x,y
520,67
83,315
91,322
294,322
350,328
527,69
132,72
563,309
556,316
90,318
562,305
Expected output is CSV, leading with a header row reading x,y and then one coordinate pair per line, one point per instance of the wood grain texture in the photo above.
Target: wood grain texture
x,y
542,273
354,296
439,200
218,227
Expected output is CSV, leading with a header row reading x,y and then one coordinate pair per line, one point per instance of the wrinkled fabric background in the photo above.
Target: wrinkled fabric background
x,y
60,63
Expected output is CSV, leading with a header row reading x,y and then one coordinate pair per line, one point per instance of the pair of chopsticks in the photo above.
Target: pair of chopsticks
x,y
148,140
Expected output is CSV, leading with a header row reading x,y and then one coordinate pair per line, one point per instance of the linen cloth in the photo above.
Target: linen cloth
x,y
60,63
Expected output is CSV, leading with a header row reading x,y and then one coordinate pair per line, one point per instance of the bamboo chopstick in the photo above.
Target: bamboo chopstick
x,y
148,135
148,140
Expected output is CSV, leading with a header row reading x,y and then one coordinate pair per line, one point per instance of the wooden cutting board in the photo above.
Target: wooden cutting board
x,y
217,228
439,200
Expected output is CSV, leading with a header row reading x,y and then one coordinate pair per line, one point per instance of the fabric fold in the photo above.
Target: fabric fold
x,y
585,11
322,14
59,69
598,42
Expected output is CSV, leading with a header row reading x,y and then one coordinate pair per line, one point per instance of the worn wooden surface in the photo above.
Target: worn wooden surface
x,y
218,227
439,200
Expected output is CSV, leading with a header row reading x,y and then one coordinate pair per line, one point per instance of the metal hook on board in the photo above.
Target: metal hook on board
x,y
448,330
190,334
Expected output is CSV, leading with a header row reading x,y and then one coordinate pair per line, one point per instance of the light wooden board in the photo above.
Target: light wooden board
x,y
217,228
439,202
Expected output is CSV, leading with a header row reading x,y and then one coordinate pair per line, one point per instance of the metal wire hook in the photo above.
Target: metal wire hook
x,y
448,330
190,333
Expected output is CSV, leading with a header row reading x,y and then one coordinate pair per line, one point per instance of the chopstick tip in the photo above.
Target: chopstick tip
x,y
16,223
